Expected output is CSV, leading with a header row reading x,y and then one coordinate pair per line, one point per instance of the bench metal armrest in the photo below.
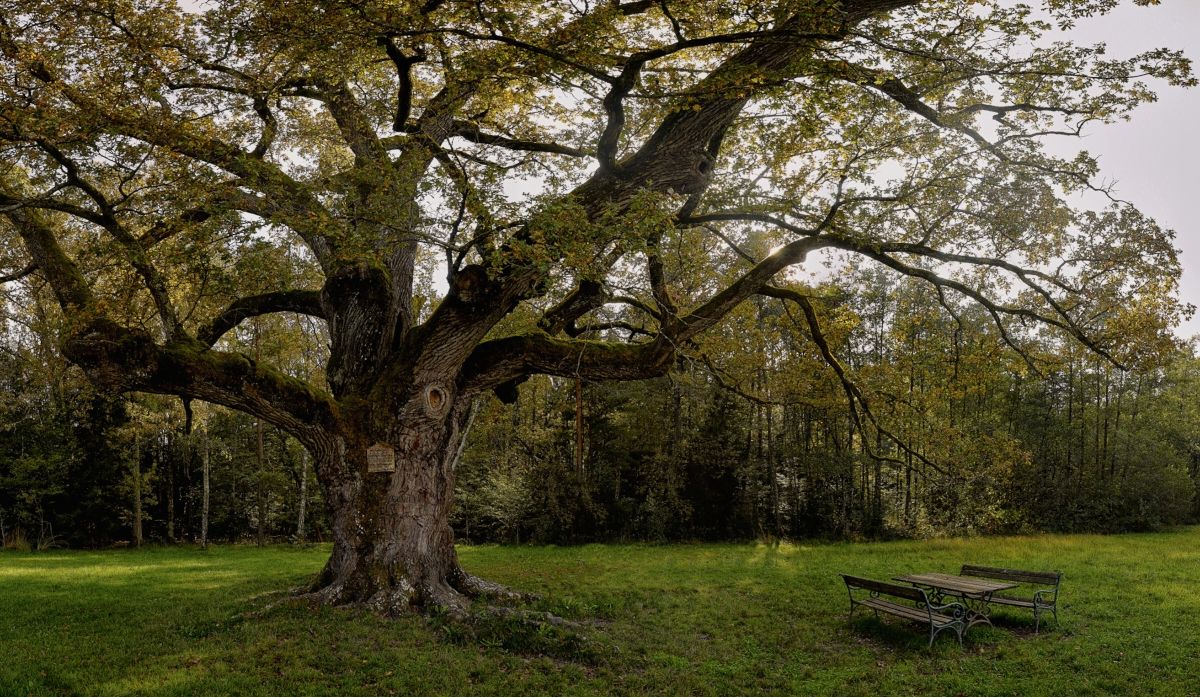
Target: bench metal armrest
x,y
1039,597
957,610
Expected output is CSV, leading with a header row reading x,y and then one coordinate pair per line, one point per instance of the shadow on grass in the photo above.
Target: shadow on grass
x,y
1023,625
911,639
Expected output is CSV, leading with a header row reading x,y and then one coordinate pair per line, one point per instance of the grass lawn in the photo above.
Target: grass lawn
x,y
680,619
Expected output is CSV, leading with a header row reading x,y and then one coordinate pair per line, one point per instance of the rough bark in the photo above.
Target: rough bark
x,y
393,545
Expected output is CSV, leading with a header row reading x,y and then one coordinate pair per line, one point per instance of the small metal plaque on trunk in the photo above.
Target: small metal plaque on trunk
x,y
381,458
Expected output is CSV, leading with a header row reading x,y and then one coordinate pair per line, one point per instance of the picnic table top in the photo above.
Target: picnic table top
x,y
968,585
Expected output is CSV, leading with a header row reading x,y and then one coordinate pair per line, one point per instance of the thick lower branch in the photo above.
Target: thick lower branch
x,y
493,363
126,360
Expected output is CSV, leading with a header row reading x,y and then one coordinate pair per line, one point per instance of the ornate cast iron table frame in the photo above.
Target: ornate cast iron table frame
x,y
975,593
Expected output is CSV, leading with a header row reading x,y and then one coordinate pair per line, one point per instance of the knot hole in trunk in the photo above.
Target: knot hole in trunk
x,y
436,400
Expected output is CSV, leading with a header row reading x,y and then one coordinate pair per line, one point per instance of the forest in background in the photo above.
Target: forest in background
x,y
750,436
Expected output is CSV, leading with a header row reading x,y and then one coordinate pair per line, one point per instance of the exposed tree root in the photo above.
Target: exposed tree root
x,y
476,587
531,617
453,598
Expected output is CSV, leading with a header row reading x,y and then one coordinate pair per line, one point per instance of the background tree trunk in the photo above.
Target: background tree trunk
x,y
137,492
303,496
204,504
579,451
169,464
260,486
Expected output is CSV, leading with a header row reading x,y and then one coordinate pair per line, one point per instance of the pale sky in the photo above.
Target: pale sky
x,y
1155,157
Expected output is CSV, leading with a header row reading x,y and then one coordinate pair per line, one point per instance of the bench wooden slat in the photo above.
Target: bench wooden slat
x,y
1047,578
922,616
906,592
1017,602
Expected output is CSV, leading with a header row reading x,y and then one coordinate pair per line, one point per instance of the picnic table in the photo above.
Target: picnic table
x,y
975,593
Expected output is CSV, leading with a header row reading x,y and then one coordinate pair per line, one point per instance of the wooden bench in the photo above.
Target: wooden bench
x,y
937,617
1044,599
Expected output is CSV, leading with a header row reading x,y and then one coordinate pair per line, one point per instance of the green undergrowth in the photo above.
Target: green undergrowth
x,y
702,619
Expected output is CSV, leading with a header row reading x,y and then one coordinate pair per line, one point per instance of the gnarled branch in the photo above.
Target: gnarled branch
x,y
124,360
305,302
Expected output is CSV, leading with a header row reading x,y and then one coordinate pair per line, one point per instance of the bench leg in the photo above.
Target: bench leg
x,y
1036,616
934,631
1037,619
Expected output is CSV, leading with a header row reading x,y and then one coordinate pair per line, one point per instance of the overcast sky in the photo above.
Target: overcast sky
x,y
1155,157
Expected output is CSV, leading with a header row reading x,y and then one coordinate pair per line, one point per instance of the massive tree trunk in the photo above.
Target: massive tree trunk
x,y
393,545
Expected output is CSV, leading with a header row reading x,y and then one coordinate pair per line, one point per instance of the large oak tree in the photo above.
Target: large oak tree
x,y
598,180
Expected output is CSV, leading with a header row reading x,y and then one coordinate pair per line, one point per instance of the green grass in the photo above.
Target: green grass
x,y
679,619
